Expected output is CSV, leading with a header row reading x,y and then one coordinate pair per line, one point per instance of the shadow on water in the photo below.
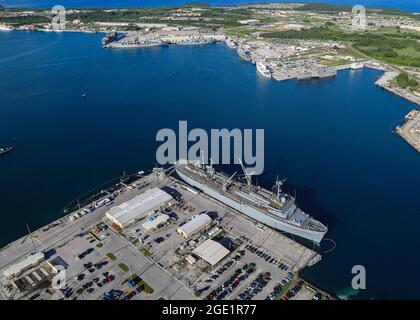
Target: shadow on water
x,y
306,201
305,195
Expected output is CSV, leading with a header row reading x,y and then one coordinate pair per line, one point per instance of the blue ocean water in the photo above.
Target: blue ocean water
x,y
330,138
408,5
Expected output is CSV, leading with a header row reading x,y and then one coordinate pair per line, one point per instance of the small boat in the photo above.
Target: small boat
x,y
84,95
5,150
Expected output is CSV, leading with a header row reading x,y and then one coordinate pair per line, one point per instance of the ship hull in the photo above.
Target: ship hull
x,y
254,213
263,71
243,55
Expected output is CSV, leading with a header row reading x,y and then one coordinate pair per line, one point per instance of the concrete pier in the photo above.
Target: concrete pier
x,y
410,131
385,82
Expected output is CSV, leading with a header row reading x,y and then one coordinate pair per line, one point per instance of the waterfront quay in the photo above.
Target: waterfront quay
x,y
410,130
295,59
387,82
148,240
280,59
165,36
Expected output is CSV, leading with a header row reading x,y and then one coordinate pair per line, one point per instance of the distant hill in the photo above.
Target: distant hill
x,y
334,8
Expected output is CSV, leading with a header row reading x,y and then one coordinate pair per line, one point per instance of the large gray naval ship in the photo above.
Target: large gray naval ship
x,y
275,209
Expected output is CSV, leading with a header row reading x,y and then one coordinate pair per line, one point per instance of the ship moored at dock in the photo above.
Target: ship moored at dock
x,y
263,68
231,43
277,210
4,27
109,38
244,53
159,38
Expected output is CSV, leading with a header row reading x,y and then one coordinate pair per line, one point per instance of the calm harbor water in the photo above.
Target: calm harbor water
x,y
331,139
408,5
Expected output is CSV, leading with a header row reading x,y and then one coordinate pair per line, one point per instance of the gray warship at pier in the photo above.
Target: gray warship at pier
x,y
275,209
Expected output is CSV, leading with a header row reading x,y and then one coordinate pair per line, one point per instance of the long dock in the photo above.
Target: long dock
x,y
161,264
385,82
410,131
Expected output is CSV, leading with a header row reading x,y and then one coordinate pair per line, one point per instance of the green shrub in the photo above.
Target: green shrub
x,y
404,81
111,256
123,267
145,251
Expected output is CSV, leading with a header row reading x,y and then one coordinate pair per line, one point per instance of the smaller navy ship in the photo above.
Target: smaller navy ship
x,y
110,37
5,150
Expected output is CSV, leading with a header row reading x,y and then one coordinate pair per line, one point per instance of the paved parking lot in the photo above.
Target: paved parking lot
x,y
103,262
264,263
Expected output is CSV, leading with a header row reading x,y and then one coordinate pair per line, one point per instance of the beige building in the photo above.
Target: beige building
x,y
17,269
196,224
211,251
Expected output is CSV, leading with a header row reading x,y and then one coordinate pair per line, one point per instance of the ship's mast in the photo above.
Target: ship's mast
x,y
32,239
227,181
247,175
278,185
210,170
157,171
203,165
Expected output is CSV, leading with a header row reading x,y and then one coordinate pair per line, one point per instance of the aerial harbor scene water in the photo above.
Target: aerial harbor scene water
x,y
83,189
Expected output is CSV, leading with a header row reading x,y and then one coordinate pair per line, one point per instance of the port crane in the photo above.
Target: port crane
x,y
226,183
247,175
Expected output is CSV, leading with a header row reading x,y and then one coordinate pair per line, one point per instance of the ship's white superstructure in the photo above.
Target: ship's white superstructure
x,y
263,68
231,43
357,65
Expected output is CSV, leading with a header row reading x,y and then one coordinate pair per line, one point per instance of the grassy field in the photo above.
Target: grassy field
x,y
239,31
335,8
213,18
145,251
410,51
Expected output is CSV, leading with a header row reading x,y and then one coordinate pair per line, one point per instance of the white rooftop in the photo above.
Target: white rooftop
x,y
28,262
139,206
195,223
211,251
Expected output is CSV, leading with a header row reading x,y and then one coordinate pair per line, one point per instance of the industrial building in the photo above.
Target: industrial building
x,y
154,221
196,224
35,277
17,269
190,259
211,251
138,207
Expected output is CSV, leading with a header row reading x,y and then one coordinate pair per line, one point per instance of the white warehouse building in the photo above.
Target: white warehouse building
x,y
196,224
138,207
211,251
